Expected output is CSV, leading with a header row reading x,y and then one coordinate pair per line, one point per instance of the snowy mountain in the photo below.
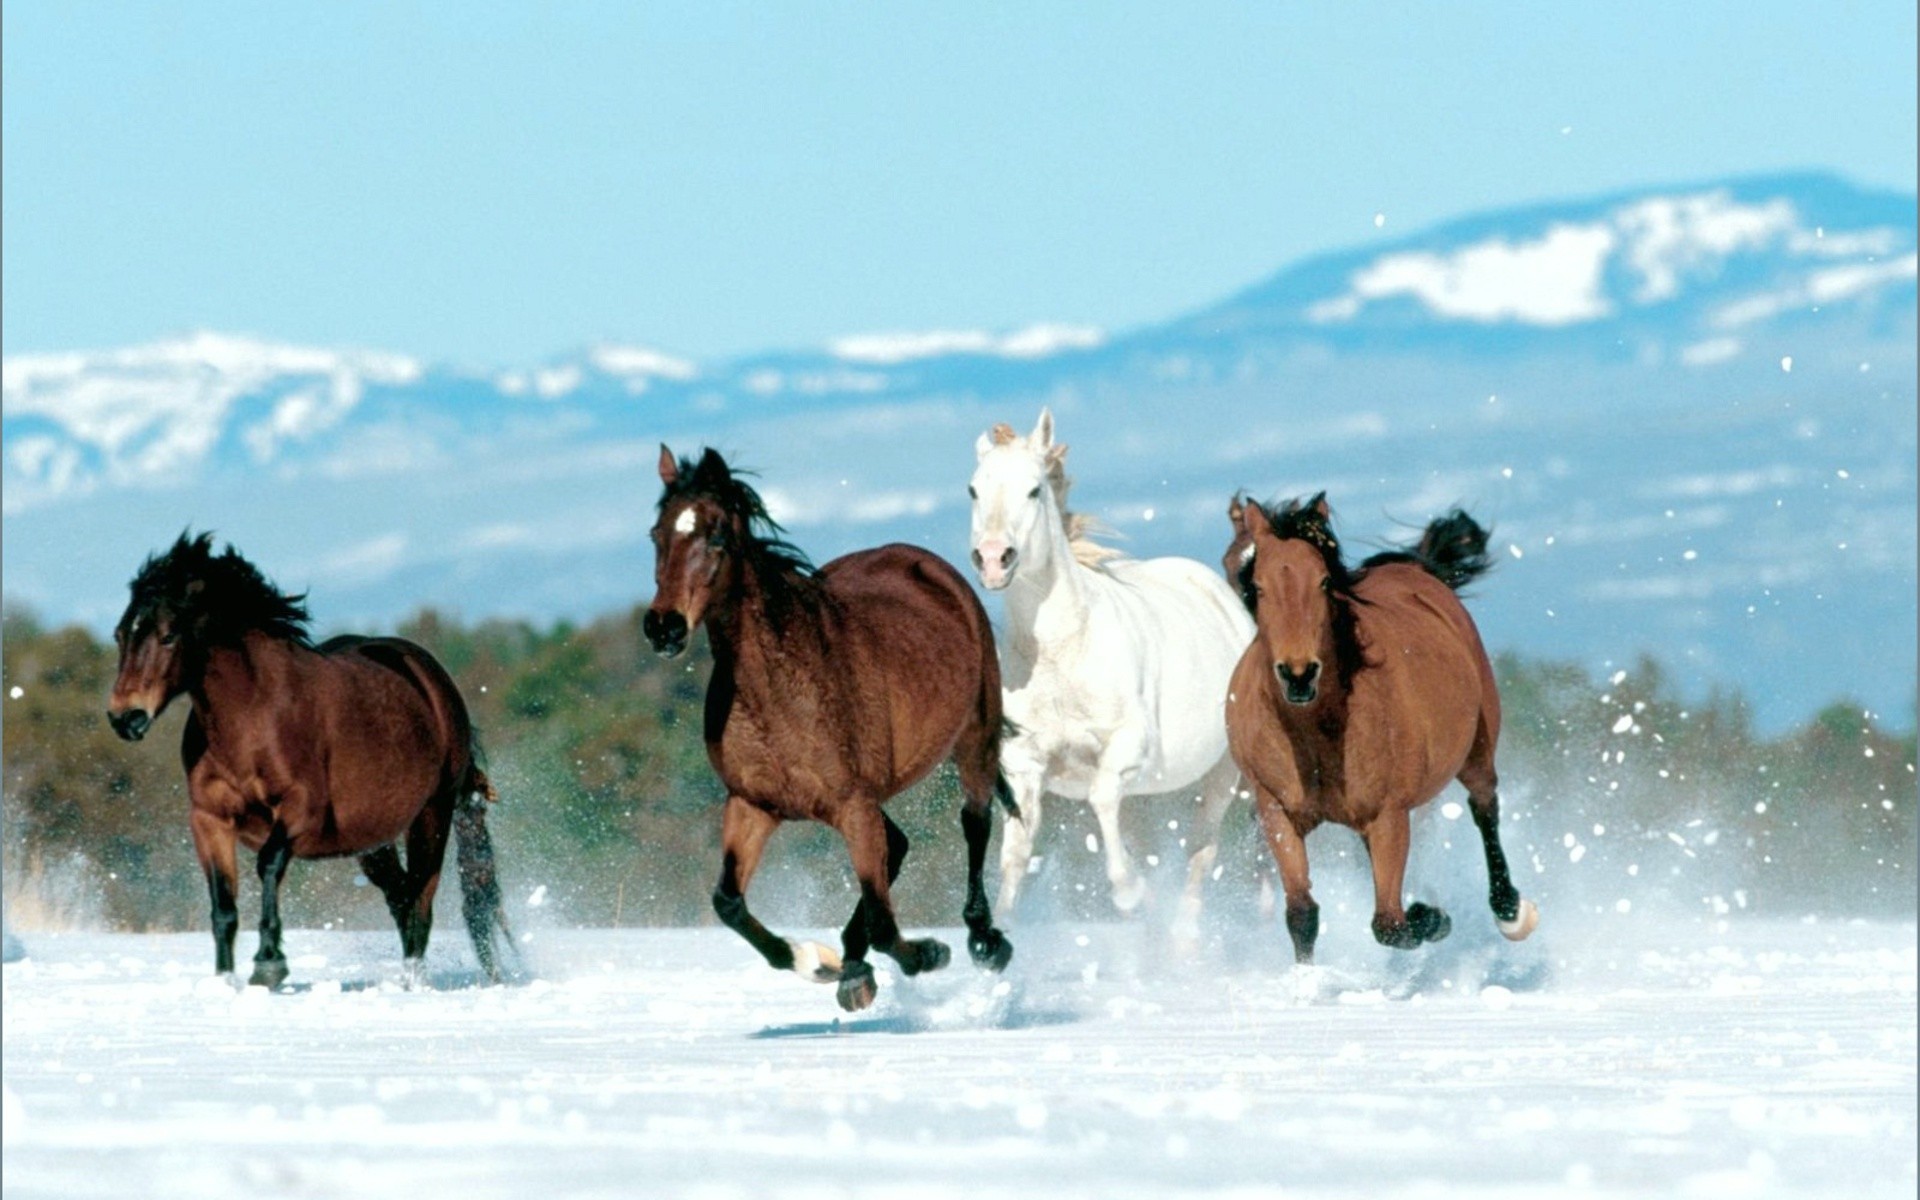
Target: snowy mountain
x,y
1689,411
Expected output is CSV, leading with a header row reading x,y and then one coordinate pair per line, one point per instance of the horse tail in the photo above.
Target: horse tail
x,y
480,899
1453,549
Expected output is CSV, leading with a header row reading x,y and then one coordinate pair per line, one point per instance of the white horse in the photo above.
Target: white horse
x,y
1115,670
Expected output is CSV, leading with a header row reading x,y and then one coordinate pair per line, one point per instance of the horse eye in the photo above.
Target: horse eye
x,y
1326,583
1034,494
169,638
717,541
971,494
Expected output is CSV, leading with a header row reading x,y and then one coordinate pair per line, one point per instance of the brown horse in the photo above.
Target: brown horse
x,y
302,751
832,691
1364,692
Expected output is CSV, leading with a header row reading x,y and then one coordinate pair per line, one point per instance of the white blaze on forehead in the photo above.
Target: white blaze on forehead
x,y
685,522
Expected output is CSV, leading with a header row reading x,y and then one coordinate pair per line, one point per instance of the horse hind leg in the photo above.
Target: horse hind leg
x,y
977,758
426,854
1217,790
865,828
1515,916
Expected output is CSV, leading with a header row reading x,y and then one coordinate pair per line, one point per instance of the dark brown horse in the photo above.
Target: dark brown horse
x,y
832,691
1364,692
301,751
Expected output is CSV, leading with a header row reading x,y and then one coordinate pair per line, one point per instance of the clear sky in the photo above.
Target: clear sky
x,y
497,184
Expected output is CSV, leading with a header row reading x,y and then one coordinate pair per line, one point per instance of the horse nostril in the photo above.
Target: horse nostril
x,y
1007,557
665,631
978,561
131,725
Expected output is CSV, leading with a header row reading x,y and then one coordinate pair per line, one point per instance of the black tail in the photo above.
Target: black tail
x,y
1454,549
480,900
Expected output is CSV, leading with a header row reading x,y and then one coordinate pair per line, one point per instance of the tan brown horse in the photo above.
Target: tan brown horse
x,y
832,691
1364,692
301,751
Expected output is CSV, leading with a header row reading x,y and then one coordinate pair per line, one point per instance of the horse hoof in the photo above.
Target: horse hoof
x,y
857,986
927,954
1523,923
991,950
1427,923
268,973
814,962
1128,896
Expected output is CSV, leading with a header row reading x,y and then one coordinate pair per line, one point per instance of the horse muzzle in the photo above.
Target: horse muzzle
x,y
1299,687
994,560
666,632
131,724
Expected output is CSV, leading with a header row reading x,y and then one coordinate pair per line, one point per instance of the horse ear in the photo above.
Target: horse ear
x,y
669,469
1319,506
713,468
1235,509
1058,453
1042,438
1253,517
981,447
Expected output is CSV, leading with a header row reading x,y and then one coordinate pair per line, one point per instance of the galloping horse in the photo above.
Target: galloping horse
x,y
1364,692
833,690
302,751
1115,668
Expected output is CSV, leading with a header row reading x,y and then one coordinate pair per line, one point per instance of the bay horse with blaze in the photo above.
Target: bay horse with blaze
x,y
1363,694
833,690
301,751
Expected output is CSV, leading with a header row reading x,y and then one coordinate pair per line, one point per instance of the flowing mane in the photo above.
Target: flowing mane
x,y
1081,528
221,596
787,577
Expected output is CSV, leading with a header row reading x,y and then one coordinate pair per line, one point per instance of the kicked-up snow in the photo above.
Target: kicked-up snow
x,y
1664,1057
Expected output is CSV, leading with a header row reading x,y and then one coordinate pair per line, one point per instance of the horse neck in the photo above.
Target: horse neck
x,y
1049,604
234,678
745,644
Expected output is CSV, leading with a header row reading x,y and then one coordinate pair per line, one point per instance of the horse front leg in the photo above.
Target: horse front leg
x,y
864,827
213,845
1105,794
1387,838
744,830
1287,839
269,961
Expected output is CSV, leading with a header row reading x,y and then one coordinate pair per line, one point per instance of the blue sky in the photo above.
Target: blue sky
x,y
491,185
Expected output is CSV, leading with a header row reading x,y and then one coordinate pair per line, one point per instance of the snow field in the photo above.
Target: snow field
x,y
1671,1056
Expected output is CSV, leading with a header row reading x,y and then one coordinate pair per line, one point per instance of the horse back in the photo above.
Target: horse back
x,y
918,649
396,728
1427,668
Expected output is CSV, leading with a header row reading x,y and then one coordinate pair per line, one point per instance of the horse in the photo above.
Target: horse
x,y
833,690
1115,667
301,751
1364,692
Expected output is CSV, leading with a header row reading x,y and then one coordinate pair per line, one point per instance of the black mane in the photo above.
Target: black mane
x,y
786,576
1308,521
217,597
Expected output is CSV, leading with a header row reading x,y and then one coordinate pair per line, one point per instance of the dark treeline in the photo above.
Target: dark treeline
x,y
608,812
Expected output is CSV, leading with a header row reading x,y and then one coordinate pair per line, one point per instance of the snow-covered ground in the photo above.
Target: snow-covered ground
x,y
1655,1056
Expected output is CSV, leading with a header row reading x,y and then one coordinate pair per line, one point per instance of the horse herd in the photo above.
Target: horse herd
x,y
1327,692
